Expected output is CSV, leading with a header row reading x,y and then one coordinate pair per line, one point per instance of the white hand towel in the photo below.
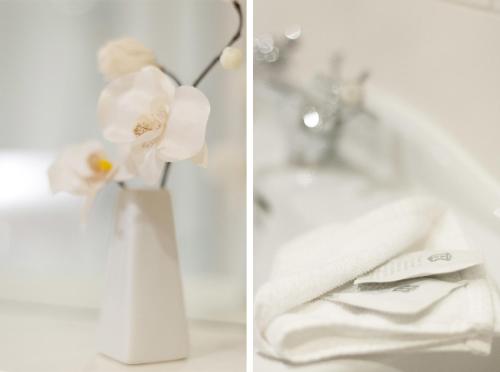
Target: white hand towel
x,y
296,325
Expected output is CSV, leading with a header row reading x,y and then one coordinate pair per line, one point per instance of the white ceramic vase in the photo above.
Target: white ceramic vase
x,y
143,319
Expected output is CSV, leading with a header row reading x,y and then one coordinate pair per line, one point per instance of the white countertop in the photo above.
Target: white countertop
x,y
39,338
409,362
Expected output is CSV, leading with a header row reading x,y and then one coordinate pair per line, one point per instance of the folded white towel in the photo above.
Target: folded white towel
x,y
296,324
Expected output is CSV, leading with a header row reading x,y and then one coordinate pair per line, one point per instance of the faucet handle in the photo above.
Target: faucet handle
x,y
363,77
351,91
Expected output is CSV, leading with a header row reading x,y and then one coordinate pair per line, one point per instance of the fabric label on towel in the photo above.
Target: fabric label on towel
x,y
421,264
405,297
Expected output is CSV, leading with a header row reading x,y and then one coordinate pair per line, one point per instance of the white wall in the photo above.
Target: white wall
x,y
441,57
49,85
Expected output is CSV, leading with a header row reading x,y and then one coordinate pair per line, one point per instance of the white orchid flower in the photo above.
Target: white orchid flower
x,y
82,169
157,122
123,56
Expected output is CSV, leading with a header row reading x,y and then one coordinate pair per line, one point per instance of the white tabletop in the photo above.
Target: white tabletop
x,y
38,338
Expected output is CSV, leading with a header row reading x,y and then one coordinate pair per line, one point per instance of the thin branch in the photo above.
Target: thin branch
x,y
205,71
170,74
233,40
164,175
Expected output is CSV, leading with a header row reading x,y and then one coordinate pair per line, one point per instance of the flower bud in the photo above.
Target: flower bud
x,y
231,58
123,56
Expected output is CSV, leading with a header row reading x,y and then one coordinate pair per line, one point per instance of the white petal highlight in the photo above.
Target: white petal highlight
x,y
125,100
185,133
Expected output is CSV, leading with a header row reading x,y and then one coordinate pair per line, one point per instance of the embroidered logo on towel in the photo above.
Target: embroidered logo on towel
x,y
405,288
421,264
440,257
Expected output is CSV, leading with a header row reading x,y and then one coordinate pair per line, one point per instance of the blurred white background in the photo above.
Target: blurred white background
x,y
49,85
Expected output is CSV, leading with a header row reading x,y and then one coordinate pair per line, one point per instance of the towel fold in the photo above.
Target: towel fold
x,y
300,315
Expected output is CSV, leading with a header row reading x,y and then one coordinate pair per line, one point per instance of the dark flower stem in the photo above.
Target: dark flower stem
x,y
233,40
205,71
171,75
164,175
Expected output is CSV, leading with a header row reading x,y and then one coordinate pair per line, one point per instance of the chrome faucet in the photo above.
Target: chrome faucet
x,y
324,107
328,104
315,117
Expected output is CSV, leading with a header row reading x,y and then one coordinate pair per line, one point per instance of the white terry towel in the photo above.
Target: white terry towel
x,y
297,325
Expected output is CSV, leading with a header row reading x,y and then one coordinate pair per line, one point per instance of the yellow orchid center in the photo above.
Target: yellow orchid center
x,y
105,165
99,164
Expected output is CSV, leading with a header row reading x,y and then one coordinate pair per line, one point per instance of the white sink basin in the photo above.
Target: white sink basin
x,y
302,198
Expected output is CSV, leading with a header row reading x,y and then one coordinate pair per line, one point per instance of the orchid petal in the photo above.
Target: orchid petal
x,y
148,165
71,171
126,99
185,132
201,158
126,168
